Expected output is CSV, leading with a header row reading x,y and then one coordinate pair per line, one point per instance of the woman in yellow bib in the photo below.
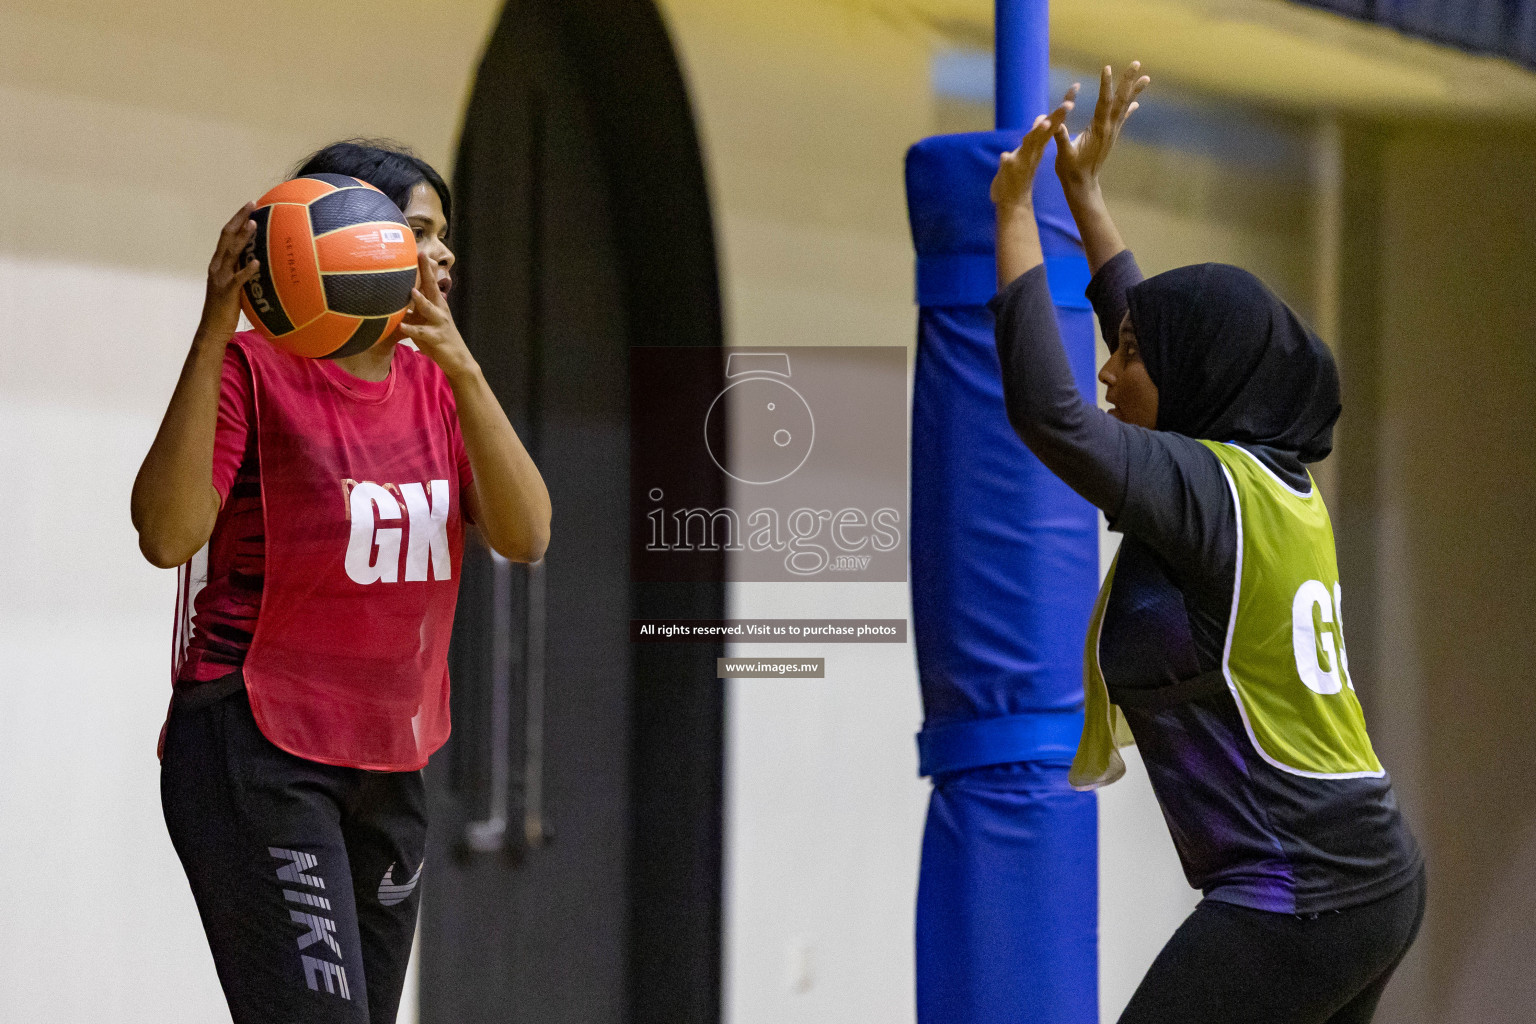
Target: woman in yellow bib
x,y
1217,641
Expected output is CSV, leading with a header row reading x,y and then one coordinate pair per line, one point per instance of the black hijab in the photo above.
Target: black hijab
x,y
1232,362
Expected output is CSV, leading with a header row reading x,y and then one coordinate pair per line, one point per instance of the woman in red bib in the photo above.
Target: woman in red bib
x,y
317,509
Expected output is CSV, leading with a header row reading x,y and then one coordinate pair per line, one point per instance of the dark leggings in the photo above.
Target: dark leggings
x,y
305,874
1232,965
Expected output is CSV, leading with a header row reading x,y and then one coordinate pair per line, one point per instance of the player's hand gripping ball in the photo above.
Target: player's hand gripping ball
x,y
338,261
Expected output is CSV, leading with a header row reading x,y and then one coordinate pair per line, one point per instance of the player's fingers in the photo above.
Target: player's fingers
x,y
1122,89
233,237
1033,139
241,215
1066,146
426,272
242,239
429,282
247,272
1058,116
1106,94
220,264
424,308
1135,81
230,245
1045,125
1068,102
1133,92
226,279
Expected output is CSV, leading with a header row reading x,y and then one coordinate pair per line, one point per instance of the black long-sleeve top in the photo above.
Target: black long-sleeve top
x,y
1246,832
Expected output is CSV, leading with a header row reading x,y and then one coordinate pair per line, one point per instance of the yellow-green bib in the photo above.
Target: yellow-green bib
x,y
1284,659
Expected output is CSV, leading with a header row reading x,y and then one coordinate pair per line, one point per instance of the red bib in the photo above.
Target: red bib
x,y
364,537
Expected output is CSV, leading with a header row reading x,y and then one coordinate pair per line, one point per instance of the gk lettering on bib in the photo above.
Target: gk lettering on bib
x,y
373,550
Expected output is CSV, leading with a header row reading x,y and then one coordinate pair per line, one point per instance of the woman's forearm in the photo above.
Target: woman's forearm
x,y
1101,239
511,503
1012,193
1067,432
174,505
1018,242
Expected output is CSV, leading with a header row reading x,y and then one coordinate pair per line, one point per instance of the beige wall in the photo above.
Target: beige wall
x,y
806,109
167,115
1440,474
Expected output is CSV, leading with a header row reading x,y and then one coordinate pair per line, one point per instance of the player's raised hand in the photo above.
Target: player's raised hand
x,y
1013,184
429,323
226,276
1079,160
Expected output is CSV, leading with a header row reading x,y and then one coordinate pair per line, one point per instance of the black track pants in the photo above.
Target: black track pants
x,y
1231,965
305,874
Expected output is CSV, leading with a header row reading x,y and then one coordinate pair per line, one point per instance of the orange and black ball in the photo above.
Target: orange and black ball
x,y
338,262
